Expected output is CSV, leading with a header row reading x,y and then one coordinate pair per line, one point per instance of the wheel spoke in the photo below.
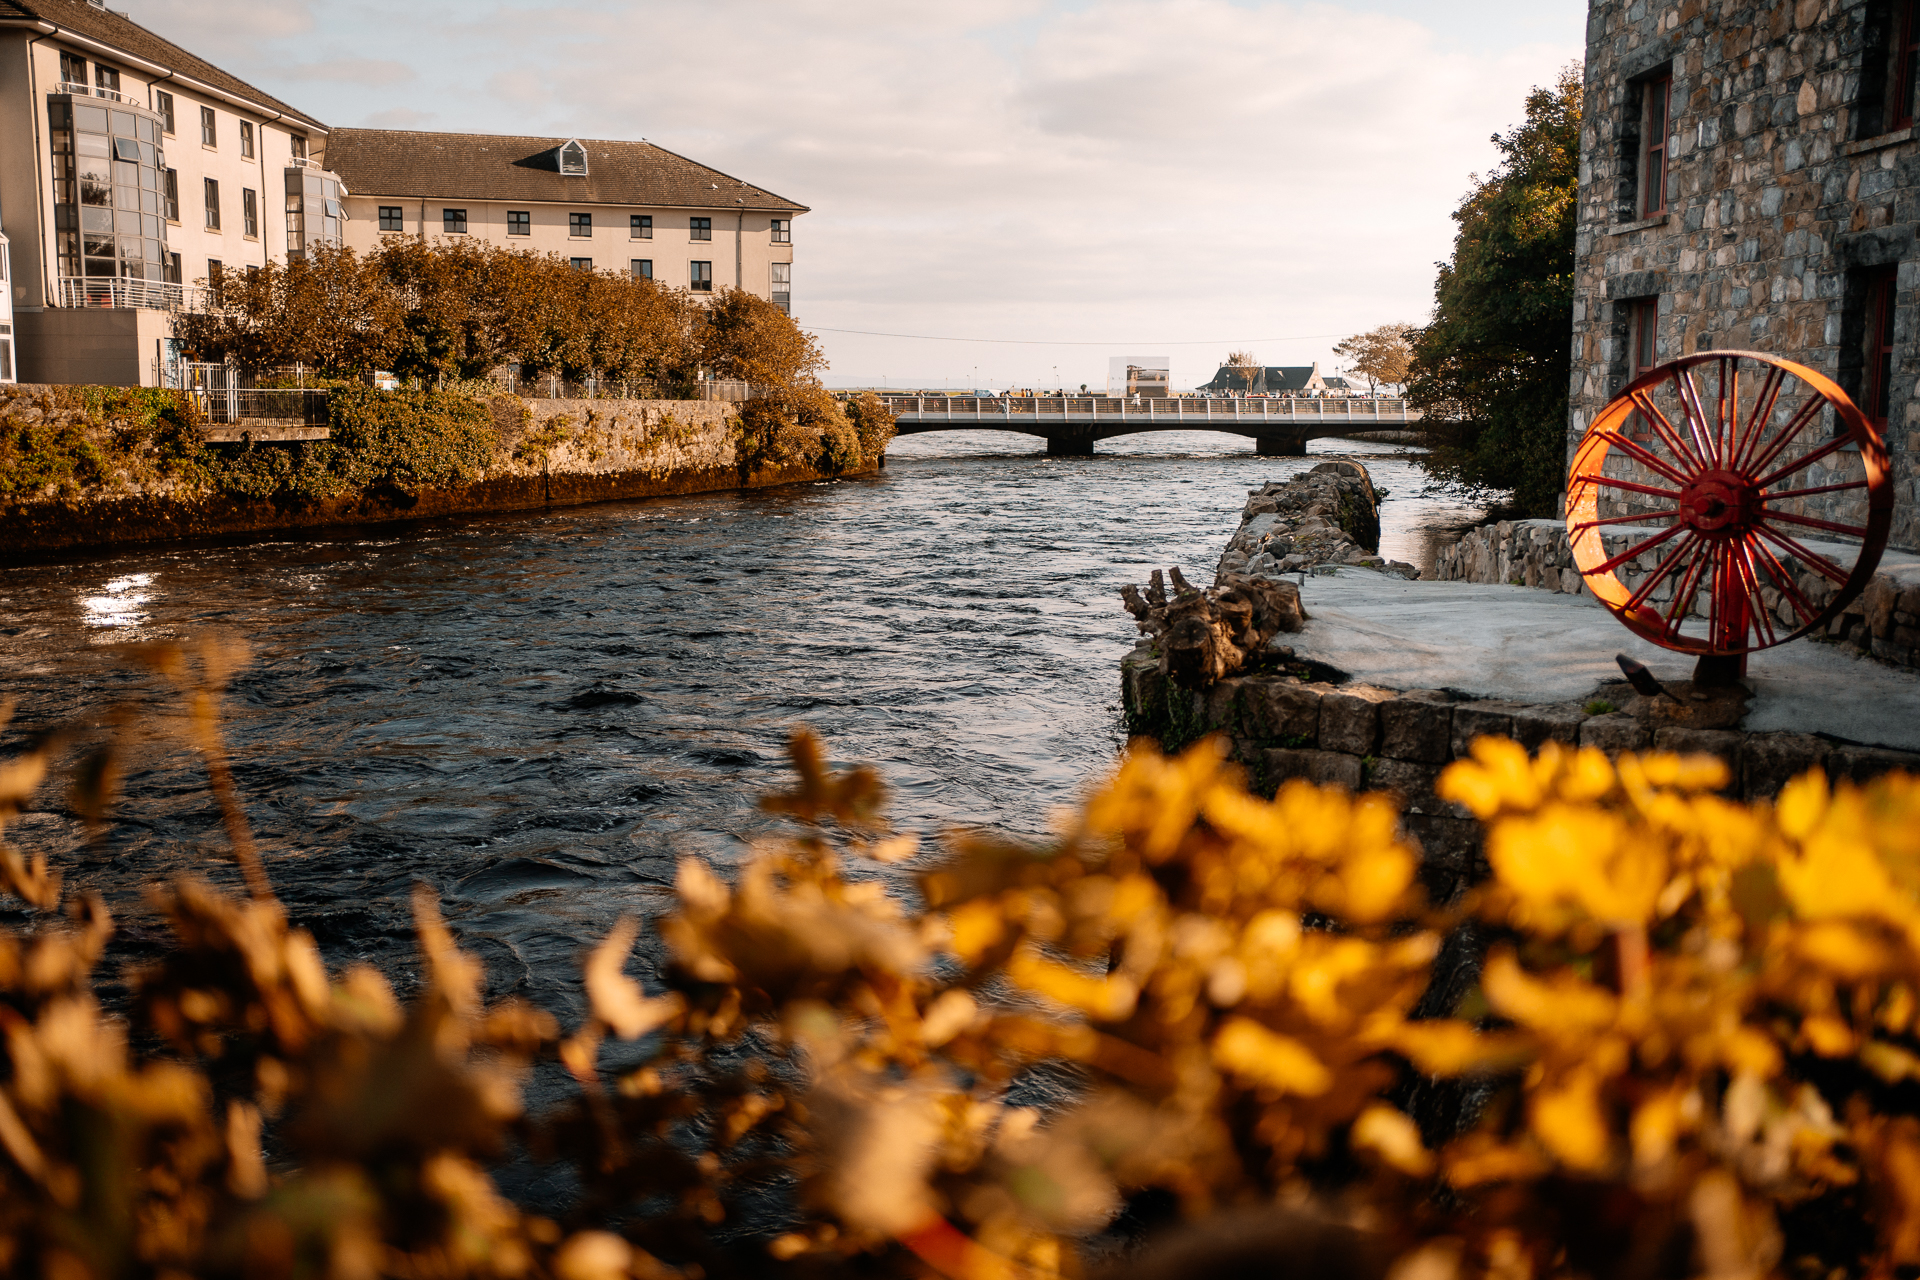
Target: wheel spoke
x,y
1831,446
1684,590
1683,386
1666,431
1585,525
1788,587
1596,478
1851,530
1660,572
1812,559
1643,455
1802,416
1729,411
1763,403
1636,549
1758,616
1806,493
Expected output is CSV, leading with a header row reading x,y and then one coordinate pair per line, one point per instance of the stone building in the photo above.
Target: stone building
x,y
1750,179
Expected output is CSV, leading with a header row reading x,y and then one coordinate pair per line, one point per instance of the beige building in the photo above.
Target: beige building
x,y
620,206
133,171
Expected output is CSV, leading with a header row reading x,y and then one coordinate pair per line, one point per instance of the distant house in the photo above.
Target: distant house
x,y
1273,379
606,205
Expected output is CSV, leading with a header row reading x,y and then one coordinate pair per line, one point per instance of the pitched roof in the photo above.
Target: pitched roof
x,y
1272,378
481,166
122,33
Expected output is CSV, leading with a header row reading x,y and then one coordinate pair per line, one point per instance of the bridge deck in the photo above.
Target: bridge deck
x,y
1102,417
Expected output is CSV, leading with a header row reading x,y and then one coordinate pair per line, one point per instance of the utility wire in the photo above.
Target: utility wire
x,y
1061,342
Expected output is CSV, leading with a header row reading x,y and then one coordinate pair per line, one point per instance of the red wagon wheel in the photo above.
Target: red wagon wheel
x,y
1708,542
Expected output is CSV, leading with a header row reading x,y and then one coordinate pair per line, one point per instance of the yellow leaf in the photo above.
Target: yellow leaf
x,y
1568,1121
1499,774
1110,998
1250,1051
1443,1047
977,926
1566,1005
1830,1037
1802,803
1655,1125
1393,1137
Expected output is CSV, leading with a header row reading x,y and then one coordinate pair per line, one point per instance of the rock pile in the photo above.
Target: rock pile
x,y
1330,515
1202,636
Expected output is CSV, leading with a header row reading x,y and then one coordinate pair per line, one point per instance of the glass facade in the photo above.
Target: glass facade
x,y
313,210
107,164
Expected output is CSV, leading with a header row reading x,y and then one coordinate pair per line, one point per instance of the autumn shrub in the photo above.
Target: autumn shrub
x,y
1668,1035
65,439
871,423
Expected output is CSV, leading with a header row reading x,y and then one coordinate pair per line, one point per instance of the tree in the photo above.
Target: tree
x,y
1491,370
748,338
1380,354
1247,367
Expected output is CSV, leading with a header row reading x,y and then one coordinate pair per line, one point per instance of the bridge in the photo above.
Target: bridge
x,y
1280,426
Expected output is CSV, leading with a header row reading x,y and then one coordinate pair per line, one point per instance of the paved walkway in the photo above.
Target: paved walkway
x,y
1529,645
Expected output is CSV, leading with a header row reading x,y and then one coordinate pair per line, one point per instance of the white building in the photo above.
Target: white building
x,y
134,172
607,205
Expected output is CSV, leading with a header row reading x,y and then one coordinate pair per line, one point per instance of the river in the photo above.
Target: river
x,y
537,714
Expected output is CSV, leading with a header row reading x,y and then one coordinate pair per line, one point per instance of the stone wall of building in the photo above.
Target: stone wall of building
x,y
1784,193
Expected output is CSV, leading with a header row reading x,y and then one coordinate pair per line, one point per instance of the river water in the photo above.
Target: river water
x,y
537,714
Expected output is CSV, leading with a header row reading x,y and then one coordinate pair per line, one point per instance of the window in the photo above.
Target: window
x,y
573,159
782,282
213,204
299,144
246,139
1906,42
703,277
519,222
640,227
392,218
783,231
579,225
174,269
106,77
1656,99
700,228
581,264
1643,332
163,107
73,69
208,135
170,197
250,213
643,268
453,221
213,273
1877,349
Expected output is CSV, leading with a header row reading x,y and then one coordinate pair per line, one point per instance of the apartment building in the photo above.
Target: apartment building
x,y
1750,179
606,205
134,173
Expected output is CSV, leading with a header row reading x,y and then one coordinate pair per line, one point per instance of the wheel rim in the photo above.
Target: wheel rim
x,y
1688,503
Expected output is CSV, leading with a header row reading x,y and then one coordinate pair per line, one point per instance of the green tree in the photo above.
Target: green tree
x,y
1491,370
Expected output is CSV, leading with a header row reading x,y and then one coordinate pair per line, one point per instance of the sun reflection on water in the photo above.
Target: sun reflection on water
x,y
120,603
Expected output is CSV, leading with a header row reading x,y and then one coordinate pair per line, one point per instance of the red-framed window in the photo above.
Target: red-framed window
x,y
1643,331
1878,383
1657,94
1904,48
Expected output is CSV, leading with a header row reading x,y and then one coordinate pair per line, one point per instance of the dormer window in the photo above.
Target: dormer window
x,y
573,159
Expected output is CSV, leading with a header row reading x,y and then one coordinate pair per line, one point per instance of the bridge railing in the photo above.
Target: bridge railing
x,y
1197,408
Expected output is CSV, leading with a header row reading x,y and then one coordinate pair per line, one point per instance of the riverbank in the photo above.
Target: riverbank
x,y
91,468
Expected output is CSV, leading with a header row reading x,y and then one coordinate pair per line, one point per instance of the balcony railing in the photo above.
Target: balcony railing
x,y
79,90
119,291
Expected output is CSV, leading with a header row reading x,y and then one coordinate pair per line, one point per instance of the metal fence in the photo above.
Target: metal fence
x,y
227,395
557,388
118,291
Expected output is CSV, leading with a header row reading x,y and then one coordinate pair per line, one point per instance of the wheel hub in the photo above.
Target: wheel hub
x,y
1720,504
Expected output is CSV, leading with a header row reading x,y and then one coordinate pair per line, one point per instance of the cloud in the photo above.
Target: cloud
x,y
367,71
399,118
1067,169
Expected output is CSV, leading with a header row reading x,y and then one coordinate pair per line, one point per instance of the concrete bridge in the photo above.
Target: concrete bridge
x,y
1280,426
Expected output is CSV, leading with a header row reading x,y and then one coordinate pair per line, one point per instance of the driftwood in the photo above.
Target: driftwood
x,y
1204,636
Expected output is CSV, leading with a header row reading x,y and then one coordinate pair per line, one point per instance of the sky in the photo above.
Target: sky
x,y
1094,178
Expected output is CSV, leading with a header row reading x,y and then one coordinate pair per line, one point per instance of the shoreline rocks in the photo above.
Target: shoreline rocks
x,y
1329,515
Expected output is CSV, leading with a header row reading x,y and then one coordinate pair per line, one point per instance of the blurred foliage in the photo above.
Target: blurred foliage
x,y
1492,368
1689,1051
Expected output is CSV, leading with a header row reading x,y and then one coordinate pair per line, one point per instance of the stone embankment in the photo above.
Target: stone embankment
x,y
548,453
1329,515
1883,621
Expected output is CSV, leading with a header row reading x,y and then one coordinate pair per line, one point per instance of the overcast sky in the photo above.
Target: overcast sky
x,y
1127,174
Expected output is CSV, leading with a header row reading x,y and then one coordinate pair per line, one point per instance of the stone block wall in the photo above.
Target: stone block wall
x,y
1292,724
1883,621
1784,191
